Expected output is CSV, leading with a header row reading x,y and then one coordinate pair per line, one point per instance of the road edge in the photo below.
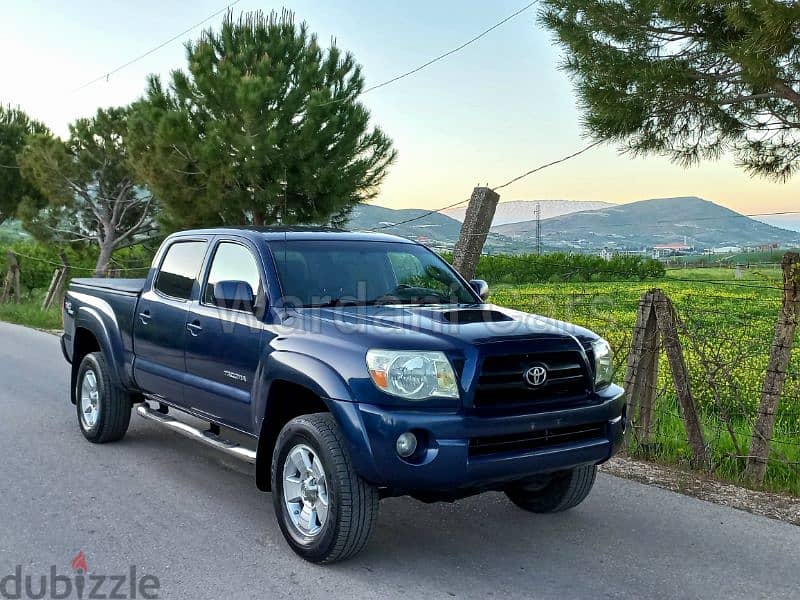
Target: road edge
x,y
780,507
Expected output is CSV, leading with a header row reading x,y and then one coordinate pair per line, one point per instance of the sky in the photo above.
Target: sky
x,y
484,115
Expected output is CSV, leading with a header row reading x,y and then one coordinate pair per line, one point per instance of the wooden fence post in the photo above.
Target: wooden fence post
x,y
779,356
668,327
62,285
641,377
48,298
57,284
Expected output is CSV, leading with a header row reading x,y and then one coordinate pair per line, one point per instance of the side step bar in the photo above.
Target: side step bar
x,y
206,437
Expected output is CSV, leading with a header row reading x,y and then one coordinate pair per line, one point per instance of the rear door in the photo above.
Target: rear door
x,y
160,322
223,347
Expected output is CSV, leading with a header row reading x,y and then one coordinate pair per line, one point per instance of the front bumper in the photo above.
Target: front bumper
x,y
450,466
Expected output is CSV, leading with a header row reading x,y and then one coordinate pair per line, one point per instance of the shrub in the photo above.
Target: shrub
x,y
553,268
38,261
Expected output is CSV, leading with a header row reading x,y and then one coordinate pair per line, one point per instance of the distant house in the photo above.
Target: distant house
x,y
726,250
662,250
609,253
764,248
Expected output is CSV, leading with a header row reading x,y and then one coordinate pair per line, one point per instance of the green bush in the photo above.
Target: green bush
x,y
559,267
38,261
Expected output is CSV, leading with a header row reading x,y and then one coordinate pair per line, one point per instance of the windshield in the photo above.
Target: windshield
x,y
360,273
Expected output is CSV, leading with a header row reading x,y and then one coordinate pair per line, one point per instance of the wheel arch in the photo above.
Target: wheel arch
x,y
92,334
278,412
84,342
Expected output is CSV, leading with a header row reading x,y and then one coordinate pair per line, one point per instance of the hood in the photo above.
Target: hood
x,y
476,324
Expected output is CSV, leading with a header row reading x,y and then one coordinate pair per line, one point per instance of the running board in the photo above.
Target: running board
x,y
205,437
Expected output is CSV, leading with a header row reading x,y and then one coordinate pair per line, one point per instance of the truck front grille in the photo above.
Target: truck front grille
x,y
536,440
502,380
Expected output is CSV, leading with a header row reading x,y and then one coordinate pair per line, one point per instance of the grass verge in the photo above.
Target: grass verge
x,y
31,315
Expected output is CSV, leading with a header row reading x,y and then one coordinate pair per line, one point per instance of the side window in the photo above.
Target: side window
x,y
232,262
179,269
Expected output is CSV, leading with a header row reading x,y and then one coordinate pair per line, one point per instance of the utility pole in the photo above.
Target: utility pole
x,y
538,213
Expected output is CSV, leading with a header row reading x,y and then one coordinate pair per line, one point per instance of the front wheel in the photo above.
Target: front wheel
x,y
325,510
563,490
104,410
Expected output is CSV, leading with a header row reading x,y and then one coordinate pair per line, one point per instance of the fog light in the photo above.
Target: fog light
x,y
406,444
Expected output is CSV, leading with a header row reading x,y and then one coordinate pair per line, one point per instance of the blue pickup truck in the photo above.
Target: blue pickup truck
x,y
350,367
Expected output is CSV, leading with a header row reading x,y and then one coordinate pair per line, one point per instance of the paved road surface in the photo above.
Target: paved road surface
x,y
195,520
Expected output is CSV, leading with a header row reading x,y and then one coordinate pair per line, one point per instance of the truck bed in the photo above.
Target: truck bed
x,y
125,286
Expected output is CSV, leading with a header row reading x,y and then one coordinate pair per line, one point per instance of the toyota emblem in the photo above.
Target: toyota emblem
x,y
536,376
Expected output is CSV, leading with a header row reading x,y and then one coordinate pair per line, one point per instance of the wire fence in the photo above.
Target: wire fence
x,y
726,332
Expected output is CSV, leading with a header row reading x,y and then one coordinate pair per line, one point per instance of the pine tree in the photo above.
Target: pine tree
x,y
688,78
15,128
265,126
93,195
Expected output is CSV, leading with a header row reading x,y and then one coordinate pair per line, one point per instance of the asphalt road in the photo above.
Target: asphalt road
x,y
195,520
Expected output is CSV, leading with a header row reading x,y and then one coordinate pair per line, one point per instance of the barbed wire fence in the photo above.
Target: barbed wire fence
x,y
726,334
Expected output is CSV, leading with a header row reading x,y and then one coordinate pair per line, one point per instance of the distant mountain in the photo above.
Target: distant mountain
x,y
701,223
436,225
433,229
516,211
791,222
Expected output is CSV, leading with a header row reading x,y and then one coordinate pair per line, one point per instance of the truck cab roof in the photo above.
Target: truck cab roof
x,y
297,233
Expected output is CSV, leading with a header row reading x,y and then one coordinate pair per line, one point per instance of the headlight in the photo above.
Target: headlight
x,y
412,375
603,368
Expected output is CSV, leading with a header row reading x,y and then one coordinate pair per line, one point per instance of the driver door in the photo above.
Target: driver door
x,y
223,345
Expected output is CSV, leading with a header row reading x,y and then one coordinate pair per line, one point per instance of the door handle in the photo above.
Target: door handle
x,y
194,328
144,317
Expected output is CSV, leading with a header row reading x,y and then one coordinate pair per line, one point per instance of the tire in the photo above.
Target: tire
x,y
104,410
565,490
334,511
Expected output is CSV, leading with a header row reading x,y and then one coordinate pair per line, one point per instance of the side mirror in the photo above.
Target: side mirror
x,y
481,288
237,295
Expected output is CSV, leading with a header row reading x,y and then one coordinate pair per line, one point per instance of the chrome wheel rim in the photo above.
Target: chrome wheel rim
x,y
305,490
90,399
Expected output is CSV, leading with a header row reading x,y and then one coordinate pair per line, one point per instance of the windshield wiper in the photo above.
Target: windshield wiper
x,y
340,302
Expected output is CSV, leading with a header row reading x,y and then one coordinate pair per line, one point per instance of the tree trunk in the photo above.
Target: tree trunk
x,y
776,370
104,260
258,218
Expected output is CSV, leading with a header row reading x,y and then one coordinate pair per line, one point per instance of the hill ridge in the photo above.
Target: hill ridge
x,y
645,223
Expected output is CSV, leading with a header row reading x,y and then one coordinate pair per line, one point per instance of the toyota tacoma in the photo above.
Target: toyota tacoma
x,y
347,367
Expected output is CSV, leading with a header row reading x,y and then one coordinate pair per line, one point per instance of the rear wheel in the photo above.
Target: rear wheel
x,y
564,490
325,510
104,410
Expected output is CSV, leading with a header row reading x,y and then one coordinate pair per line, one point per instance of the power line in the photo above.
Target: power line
x,y
532,171
449,52
550,164
155,49
418,217
72,267
690,219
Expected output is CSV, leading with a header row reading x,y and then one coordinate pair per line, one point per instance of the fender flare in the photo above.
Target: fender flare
x,y
299,369
97,317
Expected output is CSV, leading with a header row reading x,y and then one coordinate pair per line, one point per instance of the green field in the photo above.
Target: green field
x,y
727,327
